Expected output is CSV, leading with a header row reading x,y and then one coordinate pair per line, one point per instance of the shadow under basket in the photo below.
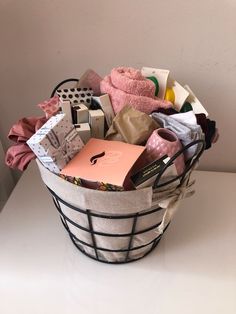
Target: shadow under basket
x,y
116,237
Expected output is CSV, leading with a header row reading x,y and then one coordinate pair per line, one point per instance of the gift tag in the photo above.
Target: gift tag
x,y
161,77
76,95
195,103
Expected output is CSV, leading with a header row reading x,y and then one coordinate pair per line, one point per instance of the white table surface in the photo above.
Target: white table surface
x,y
192,270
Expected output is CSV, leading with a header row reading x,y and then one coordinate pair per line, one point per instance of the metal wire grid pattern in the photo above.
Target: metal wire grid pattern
x,y
89,214
134,217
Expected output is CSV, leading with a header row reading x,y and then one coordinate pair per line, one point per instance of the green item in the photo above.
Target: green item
x,y
186,107
155,81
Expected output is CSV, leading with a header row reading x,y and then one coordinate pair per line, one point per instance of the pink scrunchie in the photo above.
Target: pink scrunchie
x,y
23,129
127,86
19,155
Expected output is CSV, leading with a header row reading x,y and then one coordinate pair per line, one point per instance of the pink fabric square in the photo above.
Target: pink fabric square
x,y
50,107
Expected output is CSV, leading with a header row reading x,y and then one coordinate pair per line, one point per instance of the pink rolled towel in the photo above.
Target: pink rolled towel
x,y
132,81
127,86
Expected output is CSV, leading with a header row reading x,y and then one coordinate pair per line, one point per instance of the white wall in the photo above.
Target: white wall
x,y
43,42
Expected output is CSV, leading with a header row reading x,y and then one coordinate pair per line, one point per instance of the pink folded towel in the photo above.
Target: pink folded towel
x,y
127,86
132,81
19,155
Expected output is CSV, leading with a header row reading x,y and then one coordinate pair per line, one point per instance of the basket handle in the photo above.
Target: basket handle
x,y
62,83
190,164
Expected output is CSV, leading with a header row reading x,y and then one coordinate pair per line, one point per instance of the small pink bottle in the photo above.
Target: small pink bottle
x,y
164,142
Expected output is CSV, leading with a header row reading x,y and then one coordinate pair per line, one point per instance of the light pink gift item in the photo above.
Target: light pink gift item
x,y
104,161
90,79
50,107
161,142
127,86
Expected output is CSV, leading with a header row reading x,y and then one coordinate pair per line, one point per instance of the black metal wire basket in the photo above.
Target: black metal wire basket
x,y
127,252
131,249
90,215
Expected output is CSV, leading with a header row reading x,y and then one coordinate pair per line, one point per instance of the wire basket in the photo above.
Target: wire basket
x,y
80,244
132,236
118,238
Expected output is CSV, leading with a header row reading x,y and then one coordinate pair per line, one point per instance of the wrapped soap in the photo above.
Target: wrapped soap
x,y
66,109
80,114
76,95
84,131
96,121
56,143
105,104
131,126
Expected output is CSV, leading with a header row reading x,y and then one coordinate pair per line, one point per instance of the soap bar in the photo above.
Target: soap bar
x,y
96,121
105,104
80,114
66,109
84,131
76,95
